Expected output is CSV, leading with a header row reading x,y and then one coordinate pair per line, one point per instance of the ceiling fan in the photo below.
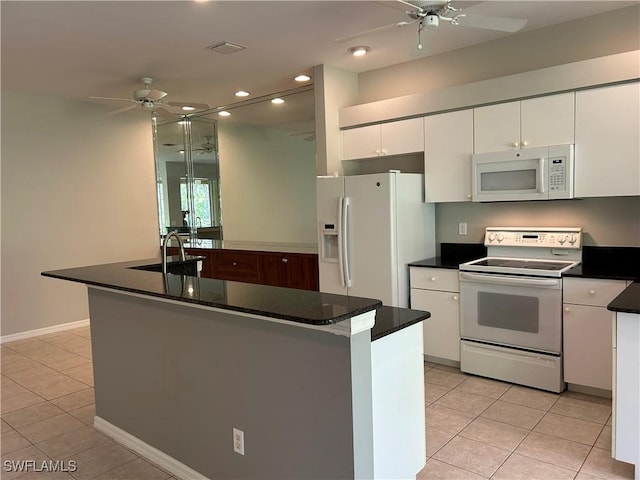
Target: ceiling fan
x,y
151,100
429,13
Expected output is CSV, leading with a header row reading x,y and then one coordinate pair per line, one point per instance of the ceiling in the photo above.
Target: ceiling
x,y
76,49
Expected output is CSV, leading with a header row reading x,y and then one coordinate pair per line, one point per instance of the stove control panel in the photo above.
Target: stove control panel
x,y
524,237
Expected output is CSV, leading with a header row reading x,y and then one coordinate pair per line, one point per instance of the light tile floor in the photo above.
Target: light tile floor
x,y
476,428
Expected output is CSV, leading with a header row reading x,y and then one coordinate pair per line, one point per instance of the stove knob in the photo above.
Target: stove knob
x,y
500,237
573,239
492,237
562,239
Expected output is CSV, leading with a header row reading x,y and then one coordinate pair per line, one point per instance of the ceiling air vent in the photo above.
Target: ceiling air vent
x,y
226,47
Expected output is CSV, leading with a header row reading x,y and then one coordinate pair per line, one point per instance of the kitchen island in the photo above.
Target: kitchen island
x,y
181,361
626,367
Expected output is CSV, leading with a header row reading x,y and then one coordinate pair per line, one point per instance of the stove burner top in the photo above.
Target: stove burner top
x,y
521,263
519,266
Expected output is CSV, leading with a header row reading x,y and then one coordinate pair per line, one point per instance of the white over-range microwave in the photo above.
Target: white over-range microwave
x,y
541,173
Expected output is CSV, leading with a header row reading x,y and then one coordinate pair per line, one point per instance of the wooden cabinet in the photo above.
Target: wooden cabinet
x,y
536,122
392,138
236,265
447,156
607,148
290,270
587,327
437,291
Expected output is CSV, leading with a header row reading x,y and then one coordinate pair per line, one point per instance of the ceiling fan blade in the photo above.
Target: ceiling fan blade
x,y
165,114
374,30
120,110
197,106
501,24
156,95
116,99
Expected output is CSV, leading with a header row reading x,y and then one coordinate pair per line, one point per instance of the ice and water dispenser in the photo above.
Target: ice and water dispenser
x,y
329,247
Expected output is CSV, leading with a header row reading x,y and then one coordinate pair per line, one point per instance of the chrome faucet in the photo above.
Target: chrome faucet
x,y
164,249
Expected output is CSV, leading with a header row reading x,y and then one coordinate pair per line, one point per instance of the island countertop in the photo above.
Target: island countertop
x,y
300,306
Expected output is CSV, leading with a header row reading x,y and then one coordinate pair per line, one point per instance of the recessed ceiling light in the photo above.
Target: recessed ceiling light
x,y
359,51
187,108
224,113
302,78
242,93
277,101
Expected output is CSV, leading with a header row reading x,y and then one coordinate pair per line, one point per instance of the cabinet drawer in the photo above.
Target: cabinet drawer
x,y
589,291
434,279
237,266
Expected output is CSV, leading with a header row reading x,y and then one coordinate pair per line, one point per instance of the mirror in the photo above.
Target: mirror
x,y
188,178
253,170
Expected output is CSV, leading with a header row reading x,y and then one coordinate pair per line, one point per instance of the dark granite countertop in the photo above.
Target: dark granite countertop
x,y
452,255
301,306
614,263
628,301
391,319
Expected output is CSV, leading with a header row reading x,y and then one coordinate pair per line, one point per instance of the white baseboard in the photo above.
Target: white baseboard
x,y
152,454
43,331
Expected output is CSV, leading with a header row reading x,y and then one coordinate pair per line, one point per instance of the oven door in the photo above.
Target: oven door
x,y
512,310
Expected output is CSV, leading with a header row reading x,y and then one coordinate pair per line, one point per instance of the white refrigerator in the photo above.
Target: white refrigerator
x,y
369,228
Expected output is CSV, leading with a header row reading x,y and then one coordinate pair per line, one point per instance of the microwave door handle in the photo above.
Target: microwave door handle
x,y
542,177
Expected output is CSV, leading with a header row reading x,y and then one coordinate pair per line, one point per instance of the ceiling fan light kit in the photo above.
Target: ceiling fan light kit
x,y
429,13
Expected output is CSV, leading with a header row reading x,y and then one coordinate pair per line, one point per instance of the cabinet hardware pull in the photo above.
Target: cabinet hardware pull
x,y
433,279
235,263
592,292
455,297
285,260
567,309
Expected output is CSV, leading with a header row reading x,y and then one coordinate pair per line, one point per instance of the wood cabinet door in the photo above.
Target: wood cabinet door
x,y
607,146
290,270
237,266
447,156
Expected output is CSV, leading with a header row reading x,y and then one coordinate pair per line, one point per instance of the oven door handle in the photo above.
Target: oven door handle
x,y
504,280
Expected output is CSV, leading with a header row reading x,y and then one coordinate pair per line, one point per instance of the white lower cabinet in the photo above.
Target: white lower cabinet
x,y
437,291
587,327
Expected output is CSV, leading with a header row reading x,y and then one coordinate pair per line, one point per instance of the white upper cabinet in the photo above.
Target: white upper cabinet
x,y
393,138
607,141
447,156
536,122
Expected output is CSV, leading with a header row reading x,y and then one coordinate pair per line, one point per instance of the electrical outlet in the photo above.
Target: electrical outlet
x,y
238,441
462,228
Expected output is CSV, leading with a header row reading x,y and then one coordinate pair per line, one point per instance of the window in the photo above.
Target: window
x,y
202,200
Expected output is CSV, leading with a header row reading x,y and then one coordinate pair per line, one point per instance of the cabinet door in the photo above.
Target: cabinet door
x,y
403,136
591,291
236,266
607,146
447,156
587,345
496,127
290,270
361,142
548,120
442,329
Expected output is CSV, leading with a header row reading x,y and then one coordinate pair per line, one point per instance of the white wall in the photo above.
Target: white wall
x,y
78,188
605,221
590,37
267,179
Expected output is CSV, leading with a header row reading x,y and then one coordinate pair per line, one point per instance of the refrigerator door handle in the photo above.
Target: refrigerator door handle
x,y
341,237
346,220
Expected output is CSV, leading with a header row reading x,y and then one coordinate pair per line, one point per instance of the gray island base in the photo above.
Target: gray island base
x,y
174,378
